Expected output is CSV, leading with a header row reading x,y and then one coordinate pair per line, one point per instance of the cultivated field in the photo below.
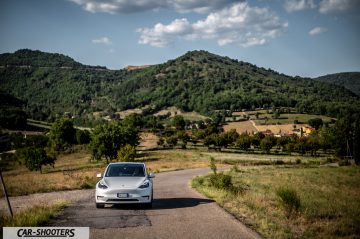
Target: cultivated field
x,y
241,127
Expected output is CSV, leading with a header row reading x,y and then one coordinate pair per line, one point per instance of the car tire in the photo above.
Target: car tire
x,y
100,205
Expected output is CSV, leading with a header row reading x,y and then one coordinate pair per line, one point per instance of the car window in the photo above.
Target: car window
x,y
125,170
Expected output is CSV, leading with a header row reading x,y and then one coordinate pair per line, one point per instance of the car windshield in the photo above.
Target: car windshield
x,y
125,170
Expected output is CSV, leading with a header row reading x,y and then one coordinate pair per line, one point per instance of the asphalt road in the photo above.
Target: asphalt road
x,y
178,212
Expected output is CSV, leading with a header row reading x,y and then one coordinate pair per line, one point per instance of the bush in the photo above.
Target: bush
x,y
126,153
213,165
290,200
221,181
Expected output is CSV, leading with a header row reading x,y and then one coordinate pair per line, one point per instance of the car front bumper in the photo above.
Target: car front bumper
x,y
118,196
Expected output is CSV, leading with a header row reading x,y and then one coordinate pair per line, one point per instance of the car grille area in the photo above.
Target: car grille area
x,y
123,200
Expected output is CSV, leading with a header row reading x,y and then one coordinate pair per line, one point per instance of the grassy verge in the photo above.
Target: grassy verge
x,y
34,216
288,202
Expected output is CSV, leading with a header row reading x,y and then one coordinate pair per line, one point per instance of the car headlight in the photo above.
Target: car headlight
x,y
145,184
102,185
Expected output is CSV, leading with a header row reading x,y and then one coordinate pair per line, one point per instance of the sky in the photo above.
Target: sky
x,y
307,38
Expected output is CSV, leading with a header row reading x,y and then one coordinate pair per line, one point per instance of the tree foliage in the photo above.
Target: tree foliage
x,y
197,81
126,153
107,139
35,158
62,135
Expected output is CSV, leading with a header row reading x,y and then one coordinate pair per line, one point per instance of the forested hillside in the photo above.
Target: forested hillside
x,y
349,80
51,84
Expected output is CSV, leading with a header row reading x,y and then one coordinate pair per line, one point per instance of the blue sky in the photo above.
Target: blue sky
x,y
295,37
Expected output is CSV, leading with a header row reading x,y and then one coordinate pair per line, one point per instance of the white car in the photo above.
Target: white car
x,y
124,182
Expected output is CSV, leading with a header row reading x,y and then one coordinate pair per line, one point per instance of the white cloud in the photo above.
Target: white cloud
x,y
298,5
239,24
162,35
199,6
317,31
102,40
328,6
129,6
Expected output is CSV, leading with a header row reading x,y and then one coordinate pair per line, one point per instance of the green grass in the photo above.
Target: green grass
x,y
34,216
328,200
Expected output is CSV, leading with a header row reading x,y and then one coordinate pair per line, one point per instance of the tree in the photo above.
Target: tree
x,y
171,141
126,153
134,120
62,135
178,122
183,137
230,136
107,139
243,142
82,136
35,158
266,144
316,123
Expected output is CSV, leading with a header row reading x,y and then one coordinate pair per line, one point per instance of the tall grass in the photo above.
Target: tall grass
x,y
285,202
34,216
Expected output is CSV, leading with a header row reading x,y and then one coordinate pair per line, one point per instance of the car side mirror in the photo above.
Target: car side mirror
x,y
152,175
98,175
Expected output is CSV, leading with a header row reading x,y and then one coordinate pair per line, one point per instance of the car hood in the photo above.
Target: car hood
x,y
124,182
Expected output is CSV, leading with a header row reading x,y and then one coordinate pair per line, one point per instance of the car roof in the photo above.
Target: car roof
x,y
138,163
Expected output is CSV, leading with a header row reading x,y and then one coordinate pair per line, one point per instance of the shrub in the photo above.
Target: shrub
x,y
126,153
289,199
213,165
221,181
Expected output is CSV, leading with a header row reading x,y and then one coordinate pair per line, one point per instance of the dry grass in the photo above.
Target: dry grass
x,y
34,216
148,141
128,112
192,116
280,129
329,201
241,127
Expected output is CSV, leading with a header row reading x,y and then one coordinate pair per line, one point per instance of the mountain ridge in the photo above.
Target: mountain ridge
x,y
196,81
349,80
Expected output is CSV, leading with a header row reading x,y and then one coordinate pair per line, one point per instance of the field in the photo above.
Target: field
x,y
241,127
329,205
192,116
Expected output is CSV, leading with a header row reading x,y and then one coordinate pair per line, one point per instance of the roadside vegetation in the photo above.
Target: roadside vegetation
x,y
289,202
33,216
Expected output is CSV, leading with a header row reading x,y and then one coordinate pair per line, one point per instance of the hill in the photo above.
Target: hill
x,y
349,80
197,81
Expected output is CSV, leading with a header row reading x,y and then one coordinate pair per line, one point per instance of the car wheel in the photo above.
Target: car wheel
x,y
100,205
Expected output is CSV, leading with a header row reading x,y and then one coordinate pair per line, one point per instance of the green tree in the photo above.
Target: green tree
x,y
316,123
82,136
107,139
126,153
35,158
62,135
266,144
183,137
243,142
178,122
171,141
